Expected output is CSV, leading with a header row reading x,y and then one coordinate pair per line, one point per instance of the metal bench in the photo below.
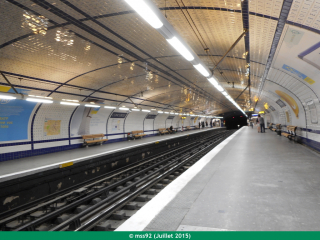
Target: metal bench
x,y
291,132
137,134
277,128
96,138
163,131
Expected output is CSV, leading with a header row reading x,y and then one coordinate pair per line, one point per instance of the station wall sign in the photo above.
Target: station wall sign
x,y
118,115
151,116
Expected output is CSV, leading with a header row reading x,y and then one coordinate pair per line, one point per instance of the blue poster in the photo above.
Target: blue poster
x,y
14,118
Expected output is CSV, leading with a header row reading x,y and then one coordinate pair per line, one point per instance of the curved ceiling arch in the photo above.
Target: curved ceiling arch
x,y
163,9
295,78
67,17
86,19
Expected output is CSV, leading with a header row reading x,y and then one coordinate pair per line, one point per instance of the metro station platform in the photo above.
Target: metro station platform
x,y
17,168
249,182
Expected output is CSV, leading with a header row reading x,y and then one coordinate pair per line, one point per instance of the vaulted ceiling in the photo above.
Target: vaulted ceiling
x,y
113,51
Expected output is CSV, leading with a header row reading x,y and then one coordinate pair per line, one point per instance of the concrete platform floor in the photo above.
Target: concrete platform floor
x,y
257,182
25,166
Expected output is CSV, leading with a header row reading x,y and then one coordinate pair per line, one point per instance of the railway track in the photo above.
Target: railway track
x,y
104,203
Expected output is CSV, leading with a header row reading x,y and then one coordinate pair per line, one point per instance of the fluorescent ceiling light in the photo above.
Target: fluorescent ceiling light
x,y
39,100
70,103
110,107
144,110
135,109
225,93
145,12
91,105
40,96
122,108
176,113
213,81
174,42
160,112
202,70
166,112
7,97
70,100
220,88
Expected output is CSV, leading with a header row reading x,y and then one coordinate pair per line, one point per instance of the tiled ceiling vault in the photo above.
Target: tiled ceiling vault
x,y
109,50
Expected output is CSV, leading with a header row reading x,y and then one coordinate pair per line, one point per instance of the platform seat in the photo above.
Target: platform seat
x,y
87,141
163,131
277,128
285,134
291,132
196,127
188,128
270,126
137,134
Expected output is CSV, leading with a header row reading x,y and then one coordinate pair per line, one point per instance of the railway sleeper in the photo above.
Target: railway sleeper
x,y
64,217
151,191
81,208
158,186
165,181
109,225
171,177
95,201
45,227
142,198
37,214
16,223
119,215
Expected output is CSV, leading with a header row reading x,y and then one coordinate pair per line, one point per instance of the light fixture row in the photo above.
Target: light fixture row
x,y
152,15
216,84
49,100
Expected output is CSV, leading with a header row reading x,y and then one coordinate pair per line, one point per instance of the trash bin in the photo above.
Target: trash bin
x,y
279,132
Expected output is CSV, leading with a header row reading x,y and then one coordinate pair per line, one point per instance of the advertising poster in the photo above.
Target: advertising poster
x,y
76,121
99,120
14,116
116,125
312,110
51,127
81,121
195,120
288,102
87,120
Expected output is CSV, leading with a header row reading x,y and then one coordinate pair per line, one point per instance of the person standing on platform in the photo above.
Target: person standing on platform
x,y
206,123
199,125
202,124
261,122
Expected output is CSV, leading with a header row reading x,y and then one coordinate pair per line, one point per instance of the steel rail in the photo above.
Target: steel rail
x,y
31,225
65,192
116,206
